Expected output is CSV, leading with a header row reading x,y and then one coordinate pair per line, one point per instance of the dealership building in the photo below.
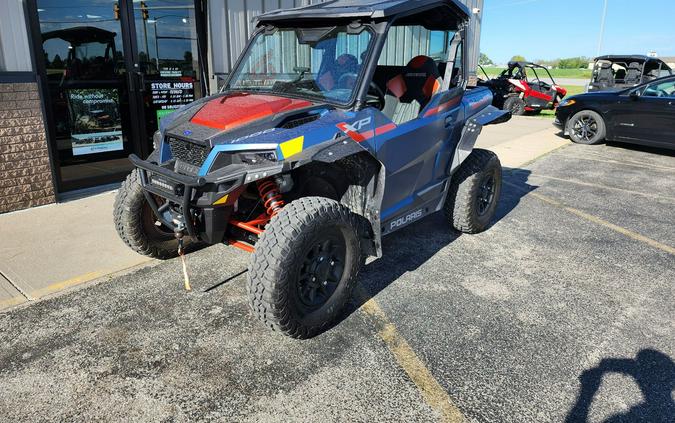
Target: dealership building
x,y
85,83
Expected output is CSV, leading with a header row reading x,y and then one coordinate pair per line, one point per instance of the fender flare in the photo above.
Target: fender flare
x,y
472,128
364,200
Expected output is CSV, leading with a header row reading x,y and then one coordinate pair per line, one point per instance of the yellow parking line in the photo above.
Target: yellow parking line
x,y
588,184
19,299
627,232
432,392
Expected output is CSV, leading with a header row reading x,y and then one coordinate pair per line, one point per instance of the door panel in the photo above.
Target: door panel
x,y
167,67
88,94
416,156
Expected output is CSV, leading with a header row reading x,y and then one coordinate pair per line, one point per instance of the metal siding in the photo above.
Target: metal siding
x,y
14,49
230,25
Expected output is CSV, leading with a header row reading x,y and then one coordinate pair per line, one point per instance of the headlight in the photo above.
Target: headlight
x,y
253,158
568,102
258,157
156,140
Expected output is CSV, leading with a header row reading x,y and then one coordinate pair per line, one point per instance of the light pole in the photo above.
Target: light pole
x,y
602,27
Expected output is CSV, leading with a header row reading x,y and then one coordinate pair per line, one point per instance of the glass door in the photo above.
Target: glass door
x,y
168,64
89,100
114,69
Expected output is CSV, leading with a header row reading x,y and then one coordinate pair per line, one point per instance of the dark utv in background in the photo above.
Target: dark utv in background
x,y
641,115
615,73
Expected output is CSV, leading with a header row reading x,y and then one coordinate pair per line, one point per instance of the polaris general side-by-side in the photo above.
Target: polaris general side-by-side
x,y
319,144
524,87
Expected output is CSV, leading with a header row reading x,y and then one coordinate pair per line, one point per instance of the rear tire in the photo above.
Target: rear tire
x,y
304,267
515,105
474,192
586,127
135,223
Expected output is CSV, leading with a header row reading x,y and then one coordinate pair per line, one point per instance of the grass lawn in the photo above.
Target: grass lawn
x,y
556,73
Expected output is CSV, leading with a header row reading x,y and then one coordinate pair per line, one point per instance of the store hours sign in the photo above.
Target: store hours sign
x,y
171,95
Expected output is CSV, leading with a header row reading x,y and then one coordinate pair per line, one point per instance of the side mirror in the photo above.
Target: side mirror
x,y
635,94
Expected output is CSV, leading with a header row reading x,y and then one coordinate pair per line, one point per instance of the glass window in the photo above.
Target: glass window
x,y
407,42
661,89
309,63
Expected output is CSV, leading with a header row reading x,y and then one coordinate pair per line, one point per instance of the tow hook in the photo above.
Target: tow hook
x,y
180,236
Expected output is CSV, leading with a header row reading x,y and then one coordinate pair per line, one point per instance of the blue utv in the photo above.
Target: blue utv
x,y
342,122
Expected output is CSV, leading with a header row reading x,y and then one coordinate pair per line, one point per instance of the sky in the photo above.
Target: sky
x,y
550,29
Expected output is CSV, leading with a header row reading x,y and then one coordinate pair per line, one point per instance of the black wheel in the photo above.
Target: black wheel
x,y
136,224
304,267
586,127
515,105
474,192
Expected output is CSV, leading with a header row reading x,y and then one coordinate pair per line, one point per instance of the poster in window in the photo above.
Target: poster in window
x,y
96,124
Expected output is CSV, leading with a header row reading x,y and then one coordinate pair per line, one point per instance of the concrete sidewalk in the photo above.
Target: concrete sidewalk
x,y
49,249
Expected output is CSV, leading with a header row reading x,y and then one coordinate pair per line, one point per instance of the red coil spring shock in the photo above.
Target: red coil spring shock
x,y
271,196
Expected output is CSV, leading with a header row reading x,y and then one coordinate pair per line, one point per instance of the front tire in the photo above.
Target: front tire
x,y
515,105
304,267
586,127
135,223
474,192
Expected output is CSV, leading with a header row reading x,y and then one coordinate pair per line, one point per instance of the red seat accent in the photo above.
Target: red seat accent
x,y
397,86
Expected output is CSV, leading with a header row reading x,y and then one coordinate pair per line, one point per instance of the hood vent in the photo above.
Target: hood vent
x,y
296,121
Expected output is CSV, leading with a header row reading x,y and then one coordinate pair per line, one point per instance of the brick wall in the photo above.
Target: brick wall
x,y
25,175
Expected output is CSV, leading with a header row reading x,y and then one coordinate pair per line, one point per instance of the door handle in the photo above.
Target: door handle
x,y
141,81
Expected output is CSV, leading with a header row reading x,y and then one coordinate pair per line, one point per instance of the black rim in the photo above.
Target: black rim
x,y
321,270
515,107
486,194
585,128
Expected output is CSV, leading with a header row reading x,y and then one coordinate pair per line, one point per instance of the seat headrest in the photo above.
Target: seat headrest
x,y
605,65
635,65
419,80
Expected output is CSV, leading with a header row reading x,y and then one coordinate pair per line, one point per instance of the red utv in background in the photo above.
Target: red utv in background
x,y
520,89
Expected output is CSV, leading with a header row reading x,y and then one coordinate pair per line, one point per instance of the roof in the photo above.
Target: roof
x,y
81,34
369,9
627,57
524,64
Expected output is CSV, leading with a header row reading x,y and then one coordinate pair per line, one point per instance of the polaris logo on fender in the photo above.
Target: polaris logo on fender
x,y
402,221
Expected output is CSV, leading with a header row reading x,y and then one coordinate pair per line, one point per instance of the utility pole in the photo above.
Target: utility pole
x,y
602,27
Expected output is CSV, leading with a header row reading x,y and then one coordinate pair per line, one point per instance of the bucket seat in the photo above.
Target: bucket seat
x,y
410,91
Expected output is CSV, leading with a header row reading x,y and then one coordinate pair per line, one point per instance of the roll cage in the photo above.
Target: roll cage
x,y
379,16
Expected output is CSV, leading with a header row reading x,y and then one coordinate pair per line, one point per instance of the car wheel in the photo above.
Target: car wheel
x,y
304,267
136,225
515,105
474,192
586,127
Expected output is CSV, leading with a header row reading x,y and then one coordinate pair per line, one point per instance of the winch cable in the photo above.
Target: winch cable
x,y
181,253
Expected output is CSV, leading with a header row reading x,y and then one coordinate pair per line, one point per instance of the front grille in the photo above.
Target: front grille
x,y
294,123
188,152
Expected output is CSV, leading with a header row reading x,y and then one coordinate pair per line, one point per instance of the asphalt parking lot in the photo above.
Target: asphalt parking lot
x,y
562,310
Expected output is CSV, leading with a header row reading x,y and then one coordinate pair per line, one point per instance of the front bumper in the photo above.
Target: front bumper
x,y
194,204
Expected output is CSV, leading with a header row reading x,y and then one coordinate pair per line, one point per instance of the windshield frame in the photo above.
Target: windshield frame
x,y
356,95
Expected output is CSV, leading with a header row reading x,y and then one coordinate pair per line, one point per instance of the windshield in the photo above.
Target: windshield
x,y
319,63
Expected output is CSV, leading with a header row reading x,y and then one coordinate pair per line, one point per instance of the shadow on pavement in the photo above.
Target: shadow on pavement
x,y
408,249
652,370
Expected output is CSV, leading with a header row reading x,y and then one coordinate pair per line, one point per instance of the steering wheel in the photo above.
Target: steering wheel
x,y
375,91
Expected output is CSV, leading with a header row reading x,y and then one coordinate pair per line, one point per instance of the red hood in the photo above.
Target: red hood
x,y
232,111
